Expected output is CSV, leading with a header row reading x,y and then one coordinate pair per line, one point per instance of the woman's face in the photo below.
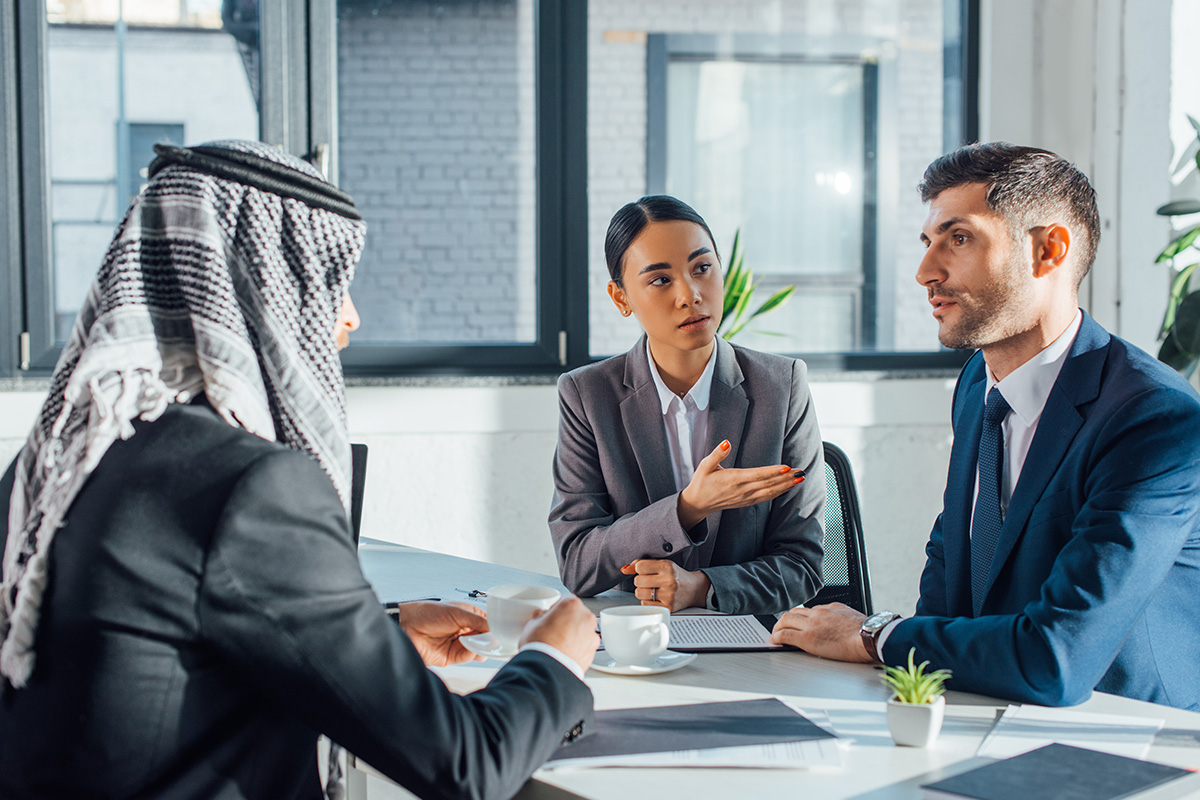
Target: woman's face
x,y
672,284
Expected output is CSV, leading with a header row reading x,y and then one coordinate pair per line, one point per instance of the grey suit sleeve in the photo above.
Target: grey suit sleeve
x,y
787,570
285,599
591,543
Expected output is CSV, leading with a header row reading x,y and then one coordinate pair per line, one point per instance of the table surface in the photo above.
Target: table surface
x,y
874,768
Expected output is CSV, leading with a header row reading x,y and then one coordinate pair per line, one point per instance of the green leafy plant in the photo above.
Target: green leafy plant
x,y
912,684
739,289
1180,332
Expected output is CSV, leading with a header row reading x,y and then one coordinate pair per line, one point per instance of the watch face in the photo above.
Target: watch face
x,y
876,621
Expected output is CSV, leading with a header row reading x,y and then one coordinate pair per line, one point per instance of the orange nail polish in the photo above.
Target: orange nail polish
x,y
799,480
785,470
725,445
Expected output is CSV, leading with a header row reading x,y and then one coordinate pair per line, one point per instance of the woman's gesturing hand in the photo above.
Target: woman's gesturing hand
x,y
715,488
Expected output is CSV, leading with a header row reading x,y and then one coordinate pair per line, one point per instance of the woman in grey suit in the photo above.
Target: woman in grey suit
x,y
679,472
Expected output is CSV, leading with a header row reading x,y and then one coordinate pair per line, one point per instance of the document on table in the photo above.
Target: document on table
x,y
742,733
697,633
1023,728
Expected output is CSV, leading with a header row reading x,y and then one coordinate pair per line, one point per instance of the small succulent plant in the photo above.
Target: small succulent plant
x,y
912,684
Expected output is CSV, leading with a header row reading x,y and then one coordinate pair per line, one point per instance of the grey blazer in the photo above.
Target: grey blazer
x,y
614,493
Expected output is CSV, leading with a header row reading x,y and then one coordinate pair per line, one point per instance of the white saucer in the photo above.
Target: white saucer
x,y
669,660
488,646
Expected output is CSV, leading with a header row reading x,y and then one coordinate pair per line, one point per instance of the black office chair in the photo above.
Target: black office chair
x,y
358,476
845,565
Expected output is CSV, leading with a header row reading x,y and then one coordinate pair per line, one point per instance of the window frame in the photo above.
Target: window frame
x,y
298,112
663,49
560,88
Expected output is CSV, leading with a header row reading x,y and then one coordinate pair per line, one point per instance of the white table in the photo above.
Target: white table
x,y
851,693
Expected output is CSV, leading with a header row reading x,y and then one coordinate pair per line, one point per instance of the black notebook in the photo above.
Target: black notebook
x,y
1057,772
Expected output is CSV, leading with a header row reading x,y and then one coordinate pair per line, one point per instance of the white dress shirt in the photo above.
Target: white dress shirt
x,y
686,422
1026,390
685,419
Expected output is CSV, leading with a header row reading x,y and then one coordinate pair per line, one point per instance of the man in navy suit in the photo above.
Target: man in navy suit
x,y
1067,553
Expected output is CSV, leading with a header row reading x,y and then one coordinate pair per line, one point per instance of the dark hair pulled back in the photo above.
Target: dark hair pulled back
x,y
629,222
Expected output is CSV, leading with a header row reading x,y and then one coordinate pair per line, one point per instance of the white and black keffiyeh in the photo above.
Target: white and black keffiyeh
x,y
211,285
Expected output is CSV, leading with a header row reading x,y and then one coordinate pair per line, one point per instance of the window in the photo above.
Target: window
x,y
805,126
90,111
438,139
488,142
778,139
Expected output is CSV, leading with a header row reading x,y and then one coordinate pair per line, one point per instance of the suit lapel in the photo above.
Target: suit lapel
x,y
641,411
1078,383
727,408
960,494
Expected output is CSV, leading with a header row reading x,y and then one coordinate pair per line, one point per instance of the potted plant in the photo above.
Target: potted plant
x,y
917,706
739,290
1180,331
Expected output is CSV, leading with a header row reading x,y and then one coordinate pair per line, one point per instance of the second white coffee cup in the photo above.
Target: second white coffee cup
x,y
635,635
510,607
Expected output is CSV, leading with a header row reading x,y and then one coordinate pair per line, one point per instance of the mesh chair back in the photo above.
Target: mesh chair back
x,y
845,563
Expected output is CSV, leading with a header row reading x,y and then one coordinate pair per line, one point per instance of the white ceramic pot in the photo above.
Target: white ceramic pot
x,y
915,724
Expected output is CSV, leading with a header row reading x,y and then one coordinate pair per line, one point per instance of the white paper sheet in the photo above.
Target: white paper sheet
x,y
1024,728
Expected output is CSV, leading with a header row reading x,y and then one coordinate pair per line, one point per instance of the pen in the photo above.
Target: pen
x,y
396,603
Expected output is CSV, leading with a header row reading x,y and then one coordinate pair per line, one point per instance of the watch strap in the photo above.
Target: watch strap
x,y
871,628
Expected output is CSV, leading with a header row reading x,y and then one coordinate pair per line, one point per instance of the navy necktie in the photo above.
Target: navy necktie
x,y
985,525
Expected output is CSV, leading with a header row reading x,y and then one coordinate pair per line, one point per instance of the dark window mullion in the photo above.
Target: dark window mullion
x,y
11,314
37,251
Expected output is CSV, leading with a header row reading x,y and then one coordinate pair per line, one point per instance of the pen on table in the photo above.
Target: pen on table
x,y
397,603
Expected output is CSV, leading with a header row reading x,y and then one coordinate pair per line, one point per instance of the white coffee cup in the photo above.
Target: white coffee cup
x,y
510,607
635,635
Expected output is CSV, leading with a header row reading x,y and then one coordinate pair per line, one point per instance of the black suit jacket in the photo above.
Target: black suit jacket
x,y
206,617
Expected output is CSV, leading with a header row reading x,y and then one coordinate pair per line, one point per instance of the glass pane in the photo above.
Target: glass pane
x,y
804,124
122,75
436,144
813,314
775,150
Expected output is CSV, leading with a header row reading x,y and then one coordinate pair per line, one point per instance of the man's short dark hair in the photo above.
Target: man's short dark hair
x,y
1023,184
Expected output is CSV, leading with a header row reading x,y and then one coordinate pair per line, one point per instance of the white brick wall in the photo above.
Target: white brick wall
x,y
436,131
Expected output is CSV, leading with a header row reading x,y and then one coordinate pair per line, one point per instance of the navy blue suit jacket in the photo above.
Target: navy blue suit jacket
x,y
1096,573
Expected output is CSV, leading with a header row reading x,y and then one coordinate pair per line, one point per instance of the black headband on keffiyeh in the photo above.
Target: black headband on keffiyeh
x,y
224,278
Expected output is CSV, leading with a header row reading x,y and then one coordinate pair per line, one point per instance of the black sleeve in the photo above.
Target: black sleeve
x,y
285,599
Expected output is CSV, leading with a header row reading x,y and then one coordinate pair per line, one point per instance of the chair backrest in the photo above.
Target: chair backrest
x,y
358,476
845,564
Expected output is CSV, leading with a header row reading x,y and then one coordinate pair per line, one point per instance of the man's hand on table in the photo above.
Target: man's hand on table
x,y
434,629
830,631
569,628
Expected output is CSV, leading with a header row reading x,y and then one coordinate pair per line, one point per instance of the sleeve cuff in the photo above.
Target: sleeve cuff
x,y
881,640
557,655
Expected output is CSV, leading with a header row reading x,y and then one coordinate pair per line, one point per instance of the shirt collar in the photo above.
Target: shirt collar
x,y
1027,387
701,390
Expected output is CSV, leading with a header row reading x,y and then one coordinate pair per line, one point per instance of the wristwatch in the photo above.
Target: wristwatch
x,y
871,628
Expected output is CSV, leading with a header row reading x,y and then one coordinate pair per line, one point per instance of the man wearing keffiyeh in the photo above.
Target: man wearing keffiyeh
x,y
182,609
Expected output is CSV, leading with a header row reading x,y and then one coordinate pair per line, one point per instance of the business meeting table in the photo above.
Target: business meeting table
x,y
852,695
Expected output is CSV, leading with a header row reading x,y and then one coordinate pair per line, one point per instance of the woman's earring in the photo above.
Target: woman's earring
x,y
625,312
